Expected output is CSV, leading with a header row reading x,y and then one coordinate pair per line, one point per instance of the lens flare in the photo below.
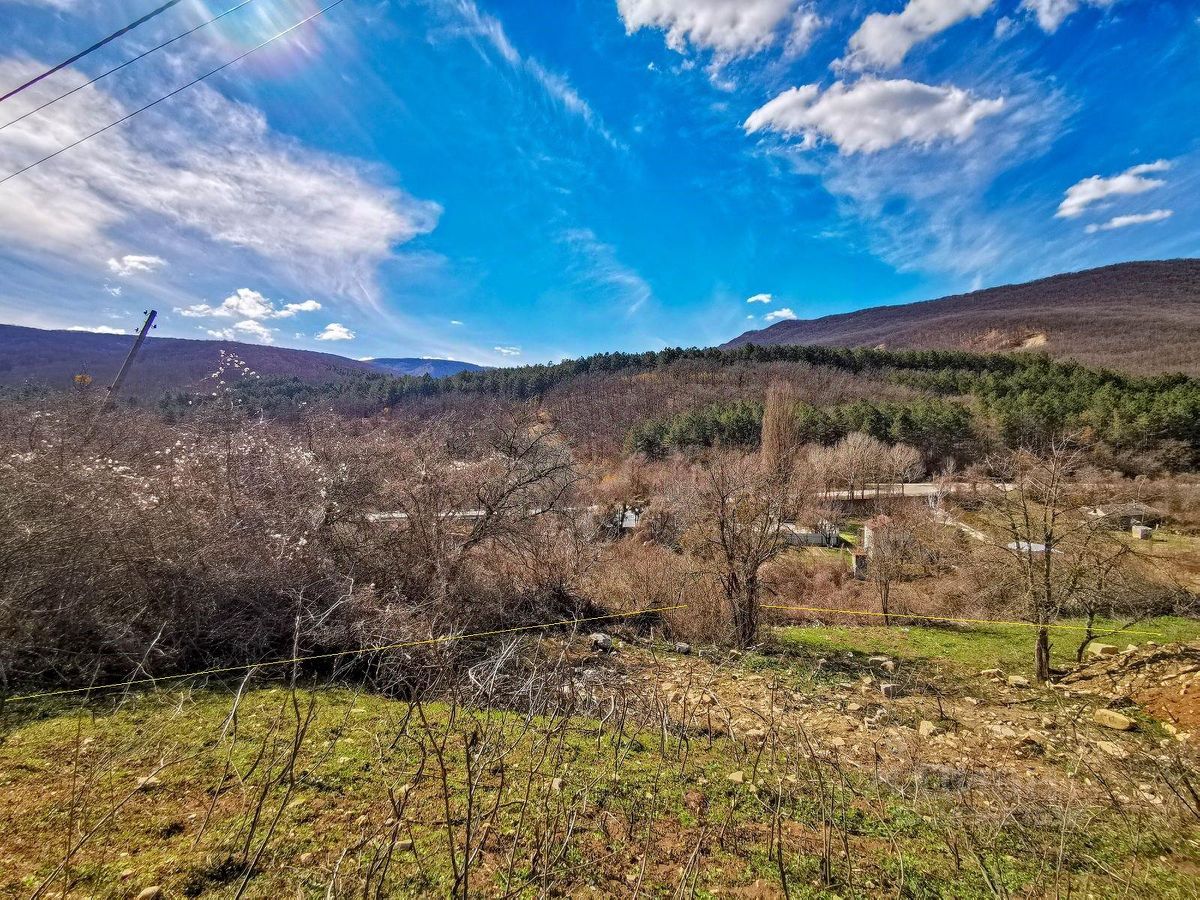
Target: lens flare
x,y
256,23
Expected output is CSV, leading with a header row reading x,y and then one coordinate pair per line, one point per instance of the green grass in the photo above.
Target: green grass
x,y
976,647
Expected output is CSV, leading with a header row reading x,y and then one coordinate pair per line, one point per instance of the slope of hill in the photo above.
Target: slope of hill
x,y
436,368
52,358
1140,317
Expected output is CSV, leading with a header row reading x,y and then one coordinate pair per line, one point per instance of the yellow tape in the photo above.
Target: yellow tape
x,y
863,612
299,659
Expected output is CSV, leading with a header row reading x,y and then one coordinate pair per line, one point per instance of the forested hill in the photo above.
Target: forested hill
x,y
1139,317
168,365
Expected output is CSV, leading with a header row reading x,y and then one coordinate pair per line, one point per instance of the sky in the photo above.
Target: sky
x,y
508,181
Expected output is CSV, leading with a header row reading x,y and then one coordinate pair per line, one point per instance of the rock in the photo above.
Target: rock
x,y
306,858
1018,681
601,642
556,785
683,648
1114,750
150,893
1112,719
738,777
991,673
1097,649
888,690
928,729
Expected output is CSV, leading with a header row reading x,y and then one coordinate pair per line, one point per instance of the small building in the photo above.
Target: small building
x,y
800,536
1031,547
1124,516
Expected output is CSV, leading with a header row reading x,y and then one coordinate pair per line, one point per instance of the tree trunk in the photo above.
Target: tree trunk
x,y
884,588
1043,654
746,612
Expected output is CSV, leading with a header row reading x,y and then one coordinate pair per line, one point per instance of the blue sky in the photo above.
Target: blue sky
x,y
504,181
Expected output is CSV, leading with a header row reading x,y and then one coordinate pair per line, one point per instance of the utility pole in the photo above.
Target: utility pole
x,y
111,394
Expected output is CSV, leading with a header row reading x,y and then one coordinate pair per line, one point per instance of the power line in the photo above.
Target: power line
x,y
127,62
224,670
96,46
178,90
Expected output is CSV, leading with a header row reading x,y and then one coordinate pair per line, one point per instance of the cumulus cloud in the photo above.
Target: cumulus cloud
x,y
873,114
131,264
760,298
508,351
884,39
1116,222
335,331
245,303
212,169
1052,13
776,315
731,28
249,328
97,329
1097,189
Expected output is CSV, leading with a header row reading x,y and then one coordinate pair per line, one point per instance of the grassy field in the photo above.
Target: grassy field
x,y
336,792
969,649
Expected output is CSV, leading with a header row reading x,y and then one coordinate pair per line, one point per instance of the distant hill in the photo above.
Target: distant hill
x,y
1140,317
437,368
165,364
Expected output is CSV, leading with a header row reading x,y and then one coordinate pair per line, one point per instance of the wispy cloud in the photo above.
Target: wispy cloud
x,y
508,350
557,86
1116,222
213,169
601,268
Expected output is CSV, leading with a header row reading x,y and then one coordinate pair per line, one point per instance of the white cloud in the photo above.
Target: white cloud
x,y
1116,222
335,331
602,269
249,328
556,86
884,39
97,329
131,264
776,315
211,168
455,322
873,114
732,28
508,351
1096,189
806,23
1052,13
760,298
291,309
247,304
114,289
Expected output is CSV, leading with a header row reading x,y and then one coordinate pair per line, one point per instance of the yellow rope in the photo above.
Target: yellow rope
x,y
221,670
862,612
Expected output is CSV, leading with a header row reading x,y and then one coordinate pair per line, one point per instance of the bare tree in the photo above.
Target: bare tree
x,y
780,438
1049,541
735,512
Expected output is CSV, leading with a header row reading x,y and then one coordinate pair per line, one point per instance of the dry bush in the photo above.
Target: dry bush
x,y
632,575
145,549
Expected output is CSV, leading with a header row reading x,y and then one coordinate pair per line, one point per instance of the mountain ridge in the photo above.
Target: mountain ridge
x,y
1140,317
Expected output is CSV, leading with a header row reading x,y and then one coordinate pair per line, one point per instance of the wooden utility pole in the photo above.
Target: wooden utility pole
x,y
111,393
